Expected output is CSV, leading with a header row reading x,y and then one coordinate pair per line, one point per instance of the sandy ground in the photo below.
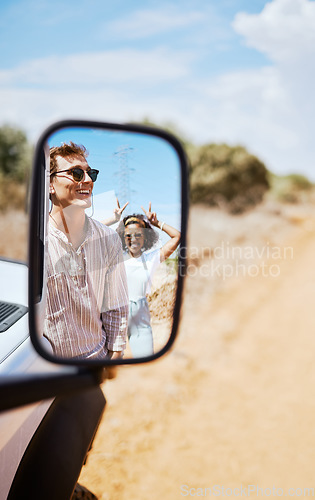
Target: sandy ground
x,y
233,404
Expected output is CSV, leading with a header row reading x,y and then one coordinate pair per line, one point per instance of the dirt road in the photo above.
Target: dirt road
x,y
234,403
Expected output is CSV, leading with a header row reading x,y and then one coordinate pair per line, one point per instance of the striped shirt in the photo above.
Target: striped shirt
x,y
87,295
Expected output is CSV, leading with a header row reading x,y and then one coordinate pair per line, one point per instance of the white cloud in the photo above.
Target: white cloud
x,y
251,108
148,22
281,96
33,110
106,68
269,109
284,30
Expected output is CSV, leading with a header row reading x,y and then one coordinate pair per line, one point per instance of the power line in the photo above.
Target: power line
x,y
123,173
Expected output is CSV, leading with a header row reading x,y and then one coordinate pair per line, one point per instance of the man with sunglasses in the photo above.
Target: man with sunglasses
x,y
87,296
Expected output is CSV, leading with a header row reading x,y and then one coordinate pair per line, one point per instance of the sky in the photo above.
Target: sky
x,y
122,159
233,71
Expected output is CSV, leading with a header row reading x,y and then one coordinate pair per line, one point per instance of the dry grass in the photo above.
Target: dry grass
x,y
12,195
13,231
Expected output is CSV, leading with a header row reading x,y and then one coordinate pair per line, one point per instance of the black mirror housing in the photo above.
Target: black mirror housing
x,y
159,156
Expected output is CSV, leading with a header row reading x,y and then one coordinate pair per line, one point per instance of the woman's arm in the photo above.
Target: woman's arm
x,y
170,246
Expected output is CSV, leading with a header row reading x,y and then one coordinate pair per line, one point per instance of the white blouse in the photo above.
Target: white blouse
x,y
140,271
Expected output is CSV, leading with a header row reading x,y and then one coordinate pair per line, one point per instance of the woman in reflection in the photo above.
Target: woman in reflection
x,y
138,238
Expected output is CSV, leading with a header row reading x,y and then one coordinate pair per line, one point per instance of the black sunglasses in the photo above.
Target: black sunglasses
x,y
78,173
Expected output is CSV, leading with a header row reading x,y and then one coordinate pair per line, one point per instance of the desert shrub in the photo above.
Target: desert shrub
x,y
12,194
228,177
15,154
291,188
172,264
15,167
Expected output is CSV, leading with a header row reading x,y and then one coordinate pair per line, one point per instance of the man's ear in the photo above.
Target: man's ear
x,y
51,189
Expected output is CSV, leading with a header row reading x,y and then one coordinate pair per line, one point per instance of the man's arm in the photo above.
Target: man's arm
x,y
115,324
116,301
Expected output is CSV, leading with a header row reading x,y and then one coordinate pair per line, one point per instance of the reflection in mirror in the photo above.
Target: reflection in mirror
x,y
112,243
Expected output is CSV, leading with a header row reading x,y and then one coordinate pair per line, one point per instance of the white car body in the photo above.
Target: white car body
x,y
17,356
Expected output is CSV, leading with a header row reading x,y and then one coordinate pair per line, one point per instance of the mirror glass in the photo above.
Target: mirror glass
x,y
111,245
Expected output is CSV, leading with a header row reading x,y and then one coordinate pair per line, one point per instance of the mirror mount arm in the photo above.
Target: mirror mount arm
x,y
26,389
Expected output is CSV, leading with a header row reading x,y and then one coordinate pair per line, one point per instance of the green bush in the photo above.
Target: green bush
x,y
15,154
227,176
291,188
15,167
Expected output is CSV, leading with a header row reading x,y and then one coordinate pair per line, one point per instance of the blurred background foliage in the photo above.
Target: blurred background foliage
x,y
221,175
294,188
15,167
226,176
231,178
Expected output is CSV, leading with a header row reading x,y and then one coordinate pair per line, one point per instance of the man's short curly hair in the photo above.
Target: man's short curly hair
x,y
150,235
65,150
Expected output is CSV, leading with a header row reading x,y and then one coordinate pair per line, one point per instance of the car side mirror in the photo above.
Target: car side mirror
x,y
107,250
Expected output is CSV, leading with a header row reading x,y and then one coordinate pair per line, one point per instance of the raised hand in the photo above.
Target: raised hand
x,y
151,216
119,210
116,214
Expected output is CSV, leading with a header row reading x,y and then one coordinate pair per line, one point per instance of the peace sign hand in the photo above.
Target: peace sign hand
x,y
151,216
119,210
